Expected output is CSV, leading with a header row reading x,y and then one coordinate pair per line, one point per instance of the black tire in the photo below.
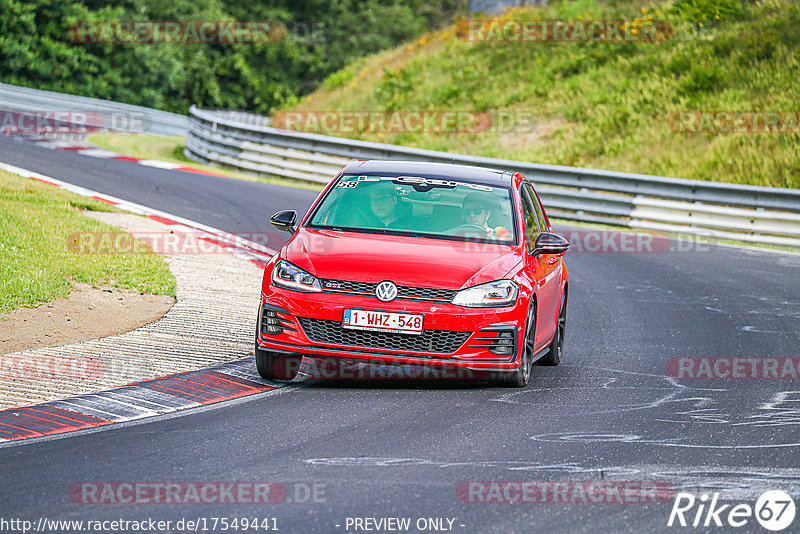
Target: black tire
x,y
276,366
519,377
553,356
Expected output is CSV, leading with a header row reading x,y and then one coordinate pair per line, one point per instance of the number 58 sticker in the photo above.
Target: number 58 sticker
x,y
775,510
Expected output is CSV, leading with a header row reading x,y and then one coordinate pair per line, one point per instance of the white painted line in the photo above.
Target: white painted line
x,y
151,405
63,144
107,401
245,370
70,406
156,400
104,409
47,144
160,164
98,153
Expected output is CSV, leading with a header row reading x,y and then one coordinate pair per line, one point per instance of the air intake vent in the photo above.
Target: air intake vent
x,y
433,341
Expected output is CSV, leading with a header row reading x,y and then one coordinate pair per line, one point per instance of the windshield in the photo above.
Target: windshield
x,y
428,207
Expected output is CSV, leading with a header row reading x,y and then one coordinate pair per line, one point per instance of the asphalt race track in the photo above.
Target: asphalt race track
x,y
610,412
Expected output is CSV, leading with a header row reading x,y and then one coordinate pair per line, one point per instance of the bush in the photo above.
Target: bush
x,y
36,49
710,12
703,78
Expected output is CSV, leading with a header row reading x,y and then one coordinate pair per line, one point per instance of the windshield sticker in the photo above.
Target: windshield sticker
x,y
415,181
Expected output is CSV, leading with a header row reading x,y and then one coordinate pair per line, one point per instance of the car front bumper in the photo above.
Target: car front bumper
x,y
311,325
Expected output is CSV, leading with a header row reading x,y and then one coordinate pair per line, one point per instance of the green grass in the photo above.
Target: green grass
x,y
170,149
164,148
36,224
602,105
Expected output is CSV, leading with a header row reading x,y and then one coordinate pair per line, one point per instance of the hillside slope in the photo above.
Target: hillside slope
x,y
609,105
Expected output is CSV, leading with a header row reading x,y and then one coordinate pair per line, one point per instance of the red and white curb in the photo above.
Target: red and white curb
x,y
230,380
102,153
168,394
245,248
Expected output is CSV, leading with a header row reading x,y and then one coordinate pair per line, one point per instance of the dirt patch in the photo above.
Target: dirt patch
x,y
517,141
88,313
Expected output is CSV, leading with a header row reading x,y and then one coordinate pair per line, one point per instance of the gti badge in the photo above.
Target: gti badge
x,y
386,291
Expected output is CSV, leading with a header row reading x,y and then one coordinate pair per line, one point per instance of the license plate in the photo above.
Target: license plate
x,y
398,323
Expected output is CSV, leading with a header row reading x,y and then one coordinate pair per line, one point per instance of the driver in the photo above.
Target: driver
x,y
476,211
384,211
383,202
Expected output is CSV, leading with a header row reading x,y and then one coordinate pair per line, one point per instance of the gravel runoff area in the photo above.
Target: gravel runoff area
x,y
212,321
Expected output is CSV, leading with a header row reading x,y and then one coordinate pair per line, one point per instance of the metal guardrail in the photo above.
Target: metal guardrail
x,y
727,211
147,120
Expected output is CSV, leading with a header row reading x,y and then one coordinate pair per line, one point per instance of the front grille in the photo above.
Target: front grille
x,y
425,293
434,341
345,285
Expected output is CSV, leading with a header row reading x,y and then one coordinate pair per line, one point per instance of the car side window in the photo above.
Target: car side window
x,y
529,214
538,207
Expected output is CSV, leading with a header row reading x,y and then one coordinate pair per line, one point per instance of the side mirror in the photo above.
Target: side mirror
x,y
284,220
548,243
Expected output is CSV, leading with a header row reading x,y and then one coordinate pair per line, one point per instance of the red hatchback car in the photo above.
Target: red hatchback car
x,y
417,263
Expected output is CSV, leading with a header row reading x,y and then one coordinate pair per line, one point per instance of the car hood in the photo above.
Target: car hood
x,y
411,261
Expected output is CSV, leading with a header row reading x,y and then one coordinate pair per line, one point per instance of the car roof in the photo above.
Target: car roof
x,y
437,170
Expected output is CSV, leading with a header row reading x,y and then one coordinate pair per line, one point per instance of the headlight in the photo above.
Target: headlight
x,y
491,295
290,276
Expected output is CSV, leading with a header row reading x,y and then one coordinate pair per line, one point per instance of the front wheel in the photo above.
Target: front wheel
x,y
519,377
273,365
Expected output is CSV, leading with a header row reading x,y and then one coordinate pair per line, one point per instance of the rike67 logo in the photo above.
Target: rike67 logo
x,y
774,510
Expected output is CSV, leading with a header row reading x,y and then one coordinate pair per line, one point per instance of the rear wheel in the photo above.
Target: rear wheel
x,y
553,356
277,366
519,377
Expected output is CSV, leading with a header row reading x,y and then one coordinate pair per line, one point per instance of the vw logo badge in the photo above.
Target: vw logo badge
x,y
386,291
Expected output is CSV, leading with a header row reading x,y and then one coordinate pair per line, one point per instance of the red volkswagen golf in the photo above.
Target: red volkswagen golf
x,y
417,263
